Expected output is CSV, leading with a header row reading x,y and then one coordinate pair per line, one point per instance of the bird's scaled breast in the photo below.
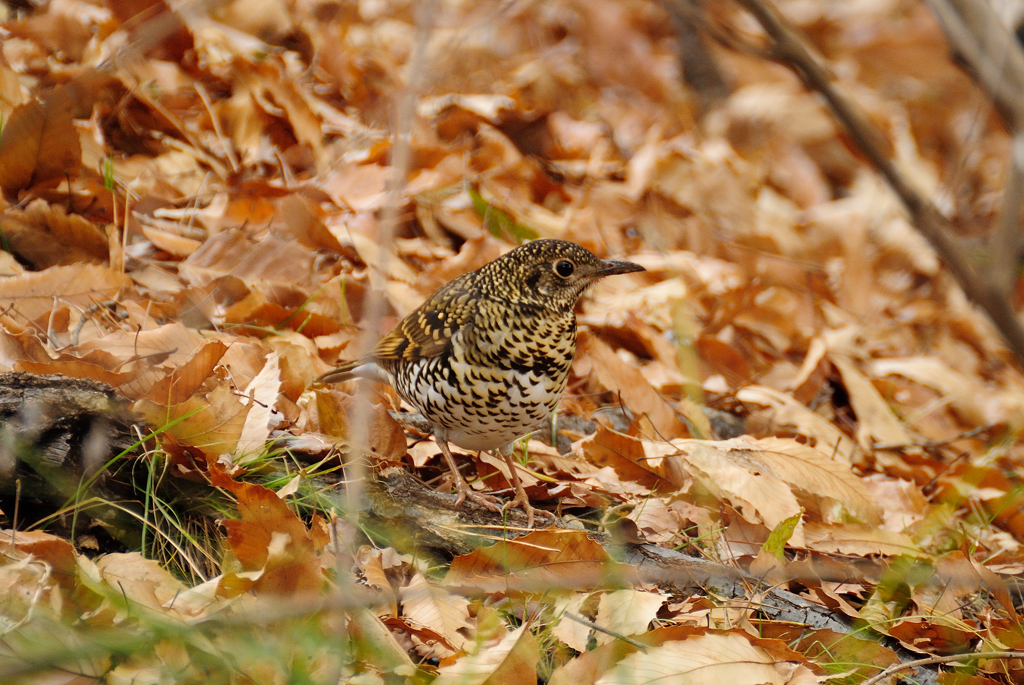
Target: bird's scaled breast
x,y
481,408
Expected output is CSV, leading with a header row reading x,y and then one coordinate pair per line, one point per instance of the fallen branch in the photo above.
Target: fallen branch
x,y
419,520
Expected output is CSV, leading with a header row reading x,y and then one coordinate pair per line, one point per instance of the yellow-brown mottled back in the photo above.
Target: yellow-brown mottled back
x,y
485,359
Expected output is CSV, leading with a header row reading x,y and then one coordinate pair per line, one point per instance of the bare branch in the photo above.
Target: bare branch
x,y
997,63
373,306
975,31
791,51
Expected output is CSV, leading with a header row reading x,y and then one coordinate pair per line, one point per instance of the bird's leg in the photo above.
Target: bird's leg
x,y
461,486
521,499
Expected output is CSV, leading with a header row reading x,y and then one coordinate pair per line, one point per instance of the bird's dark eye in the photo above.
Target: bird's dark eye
x,y
564,268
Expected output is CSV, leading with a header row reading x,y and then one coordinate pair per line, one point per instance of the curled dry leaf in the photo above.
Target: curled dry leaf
x,y
651,304
385,438
73,368
11,93
39,144
304,223
270,89
359,187
54,550
657,522
512,660
186,379
902,503
377,568
573,633
261,396
931,635
212,422
947,591
487,107
326,415
810,471
859,540
786,413
44,235
271,261
624,454
375,644
965,394
149,355
141,580
170,242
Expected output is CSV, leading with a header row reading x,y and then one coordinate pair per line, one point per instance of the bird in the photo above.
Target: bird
x,y
485,359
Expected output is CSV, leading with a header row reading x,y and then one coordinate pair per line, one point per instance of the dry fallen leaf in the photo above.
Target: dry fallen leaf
x,y
636,393
785,412
39,144
30,295
708,658
875,421
261,394
259,177
45,235
627,612
141,580
513,660
434,607
270,539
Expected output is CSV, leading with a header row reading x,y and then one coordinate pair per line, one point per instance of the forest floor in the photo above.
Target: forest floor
x,y
206,207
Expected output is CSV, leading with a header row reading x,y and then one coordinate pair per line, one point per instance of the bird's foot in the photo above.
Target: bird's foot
x,y
489,502
522,501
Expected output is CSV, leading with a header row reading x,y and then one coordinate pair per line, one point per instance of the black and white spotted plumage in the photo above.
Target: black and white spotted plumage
x,y
486,358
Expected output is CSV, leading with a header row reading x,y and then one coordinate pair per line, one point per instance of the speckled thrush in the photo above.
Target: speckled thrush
x,y
486,358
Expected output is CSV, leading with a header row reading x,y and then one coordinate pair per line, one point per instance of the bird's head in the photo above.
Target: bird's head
x,y
553,273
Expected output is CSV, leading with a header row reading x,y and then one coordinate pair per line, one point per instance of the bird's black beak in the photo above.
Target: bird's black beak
x,y
611,268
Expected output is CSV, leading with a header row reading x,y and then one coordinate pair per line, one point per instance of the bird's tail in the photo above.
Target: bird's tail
x,y
342,372
363,368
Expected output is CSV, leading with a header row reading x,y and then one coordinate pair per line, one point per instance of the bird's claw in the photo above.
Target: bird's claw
x,y
522,501
489,502
492,503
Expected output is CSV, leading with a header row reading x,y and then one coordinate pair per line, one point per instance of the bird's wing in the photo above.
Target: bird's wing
x,y
425,333
428,331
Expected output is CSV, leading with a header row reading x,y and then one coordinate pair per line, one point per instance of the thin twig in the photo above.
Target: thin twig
x,y
997,64
907,665
618,636
791,51
983,41
1005,240
373,306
